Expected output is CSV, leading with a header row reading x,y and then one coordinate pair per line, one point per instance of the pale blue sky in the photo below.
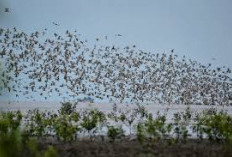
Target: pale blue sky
x,y
199,29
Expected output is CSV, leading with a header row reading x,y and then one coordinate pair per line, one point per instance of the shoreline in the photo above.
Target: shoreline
x,y
55,105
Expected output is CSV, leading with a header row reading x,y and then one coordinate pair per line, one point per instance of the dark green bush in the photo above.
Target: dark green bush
x,y
141,133
14,143
114,132
67,108
93,120
64,128
181,122
157,128
37,123
217,126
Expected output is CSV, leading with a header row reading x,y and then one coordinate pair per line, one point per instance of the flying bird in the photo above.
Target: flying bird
x,y
119,35
70,68
56,24
7,10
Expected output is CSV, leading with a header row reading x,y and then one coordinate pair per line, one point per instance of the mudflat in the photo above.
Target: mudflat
x,y
127,148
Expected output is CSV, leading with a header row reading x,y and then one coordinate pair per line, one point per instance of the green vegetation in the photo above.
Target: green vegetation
x,y
65,128
36,123
115,132
22,131
67,108
93,121
15,143
10,138
181,122
156,129
217,126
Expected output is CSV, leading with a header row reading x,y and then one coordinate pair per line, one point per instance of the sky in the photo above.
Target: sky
x,y
199,29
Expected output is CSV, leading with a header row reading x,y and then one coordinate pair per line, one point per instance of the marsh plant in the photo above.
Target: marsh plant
x,y
197,127
93,121
130,120
67,108
33,150
64,128
114,117
101,120
141,132
38,123
115,132
69,122
66,124
157,128
13,140
141,110
10,138
10,121
181,124
217,126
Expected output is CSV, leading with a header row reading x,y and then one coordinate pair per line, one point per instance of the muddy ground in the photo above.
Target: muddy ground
x,y
132,148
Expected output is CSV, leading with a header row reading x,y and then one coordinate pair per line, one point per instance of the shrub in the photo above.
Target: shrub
x,y
130,119
10,121
115,132
67,108
142,111
13,142
157,128
101,119
217,126
37,123
50,152
181,122
89,121
93,121
141,132
198,127
64,128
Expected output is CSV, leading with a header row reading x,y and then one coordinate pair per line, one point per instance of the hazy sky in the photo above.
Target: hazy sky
x,y
199,29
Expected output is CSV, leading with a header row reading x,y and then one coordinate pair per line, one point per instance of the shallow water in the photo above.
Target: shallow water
x,y
24,106
106,107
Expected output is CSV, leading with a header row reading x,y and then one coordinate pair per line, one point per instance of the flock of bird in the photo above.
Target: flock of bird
x,y
67,67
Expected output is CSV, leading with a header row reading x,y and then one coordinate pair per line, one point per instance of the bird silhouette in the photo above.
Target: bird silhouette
x,y
54,23
7,10
119,35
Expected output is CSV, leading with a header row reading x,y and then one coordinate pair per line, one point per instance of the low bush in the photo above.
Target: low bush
x,y
67,108
217,126
115,132
64,128
14,142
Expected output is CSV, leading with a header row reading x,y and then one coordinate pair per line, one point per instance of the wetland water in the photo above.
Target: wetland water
x,y
152,108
